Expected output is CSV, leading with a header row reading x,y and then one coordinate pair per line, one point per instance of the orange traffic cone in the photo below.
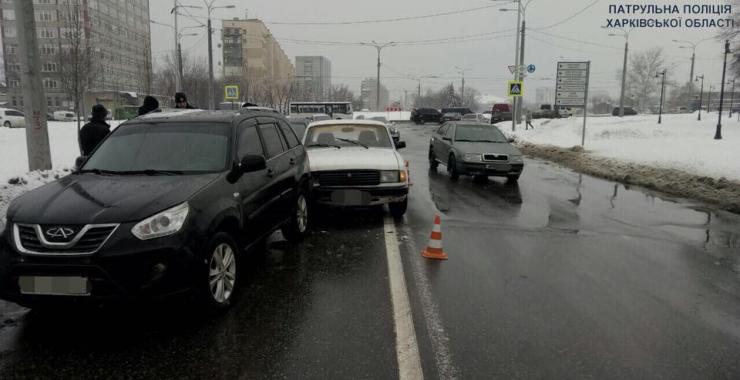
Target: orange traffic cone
x,y
434,249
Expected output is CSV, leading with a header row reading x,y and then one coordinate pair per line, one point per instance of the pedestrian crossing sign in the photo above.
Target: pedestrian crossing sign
x,y
231,92
516,88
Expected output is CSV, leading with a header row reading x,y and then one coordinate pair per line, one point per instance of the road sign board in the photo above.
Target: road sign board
x,y
572,65
515,88
572,81
571,74
575,102
571,87
531,68
512,68
231,92
572,94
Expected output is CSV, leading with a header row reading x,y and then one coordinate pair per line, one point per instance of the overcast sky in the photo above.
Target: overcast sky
x,y
485,59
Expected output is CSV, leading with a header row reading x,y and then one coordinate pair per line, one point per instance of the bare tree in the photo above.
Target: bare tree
x,y
342,93
195,79
641,81
75,55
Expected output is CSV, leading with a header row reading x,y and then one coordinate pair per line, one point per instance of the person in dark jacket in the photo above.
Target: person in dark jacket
x,y
181,101
150,105
95,131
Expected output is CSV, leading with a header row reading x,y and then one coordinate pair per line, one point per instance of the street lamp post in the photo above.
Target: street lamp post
x,y
178,51
516,57
709,99
626,34
718,133
701,93
692,45
378,47
521,17
662,92
732,97
178,37
461,71
211,84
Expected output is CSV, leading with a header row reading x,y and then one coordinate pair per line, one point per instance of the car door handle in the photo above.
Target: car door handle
x,y
292,161
270,173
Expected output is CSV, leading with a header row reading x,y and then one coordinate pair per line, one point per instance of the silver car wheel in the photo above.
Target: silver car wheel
x,y
302,213
222,273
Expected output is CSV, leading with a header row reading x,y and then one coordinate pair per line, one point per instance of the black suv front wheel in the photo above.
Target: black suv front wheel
x,y
218,283
297,225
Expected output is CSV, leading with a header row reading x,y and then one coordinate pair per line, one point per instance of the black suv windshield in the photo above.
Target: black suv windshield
x,y
167,148
479,133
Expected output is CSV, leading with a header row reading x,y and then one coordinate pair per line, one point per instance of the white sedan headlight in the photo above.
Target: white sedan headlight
x,y
473,157
516,159
165,223
390,176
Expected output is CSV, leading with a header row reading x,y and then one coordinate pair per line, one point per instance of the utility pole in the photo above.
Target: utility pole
x,y
701,93
378,47
709,101
662,94
37,134
718,133
211,83
626,34
521,10
461,71
691,45
520,99
732,97
178,59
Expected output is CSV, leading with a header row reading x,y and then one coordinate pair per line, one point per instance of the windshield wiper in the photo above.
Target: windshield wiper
x,y
355,142
153,172
323,146
99,172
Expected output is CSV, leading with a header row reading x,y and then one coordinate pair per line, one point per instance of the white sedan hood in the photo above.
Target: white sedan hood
x,y
349,158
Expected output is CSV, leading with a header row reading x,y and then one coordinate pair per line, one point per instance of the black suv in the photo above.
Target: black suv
x,y
425,115
165,204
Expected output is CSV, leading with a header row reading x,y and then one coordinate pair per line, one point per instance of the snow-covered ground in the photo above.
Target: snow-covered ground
x,y
680,142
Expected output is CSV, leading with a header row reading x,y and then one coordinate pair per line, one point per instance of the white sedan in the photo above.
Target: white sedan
x,y
355,163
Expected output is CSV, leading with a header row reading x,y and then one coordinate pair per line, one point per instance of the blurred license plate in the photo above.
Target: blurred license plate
x,y
58,286
502,167
350,197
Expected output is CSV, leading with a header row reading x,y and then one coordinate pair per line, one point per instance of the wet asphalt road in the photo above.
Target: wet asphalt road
x,y
560,276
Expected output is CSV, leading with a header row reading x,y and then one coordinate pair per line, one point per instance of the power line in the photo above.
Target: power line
x,y
578,41
568,18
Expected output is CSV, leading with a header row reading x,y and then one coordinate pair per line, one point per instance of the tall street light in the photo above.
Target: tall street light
x,y
418,79
379,47
732,95
178,37
521,16
692,46
701,93
516,57
718,133
211,84
461,71
662,92
626,35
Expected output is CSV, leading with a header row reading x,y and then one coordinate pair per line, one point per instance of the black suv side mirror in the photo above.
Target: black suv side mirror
x,y
79,161
252,163
400,144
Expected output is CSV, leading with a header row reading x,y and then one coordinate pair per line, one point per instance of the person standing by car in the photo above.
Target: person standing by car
x,y
181,101
528,117
95,131
150,105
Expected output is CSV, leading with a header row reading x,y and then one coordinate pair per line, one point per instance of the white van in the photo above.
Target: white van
x,y
12,118
65,116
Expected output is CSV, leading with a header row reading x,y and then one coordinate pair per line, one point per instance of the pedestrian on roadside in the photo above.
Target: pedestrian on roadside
x,y
95,131
529,119
181,101
150,105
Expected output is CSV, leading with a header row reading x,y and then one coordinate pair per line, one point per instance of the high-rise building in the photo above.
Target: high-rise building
x,y
313,77
368,94
251,55
119,40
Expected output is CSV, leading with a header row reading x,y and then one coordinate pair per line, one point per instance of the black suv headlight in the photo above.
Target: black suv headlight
x,y
167,222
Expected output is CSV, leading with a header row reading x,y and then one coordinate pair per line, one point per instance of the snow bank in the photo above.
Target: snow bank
x,y
390,116
680,142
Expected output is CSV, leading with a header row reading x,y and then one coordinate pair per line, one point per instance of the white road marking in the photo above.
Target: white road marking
x,y
437,335
407,349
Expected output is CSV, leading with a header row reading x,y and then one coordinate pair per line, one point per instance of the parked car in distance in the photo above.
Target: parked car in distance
x,y
11,118
564,111
65,116
299,125
628,111
425,115
320,117
392,128
356,163
475,118
480,150
500,112
545,112
450,116
139,221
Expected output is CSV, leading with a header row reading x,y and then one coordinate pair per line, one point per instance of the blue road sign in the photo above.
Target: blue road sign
x,y
531,68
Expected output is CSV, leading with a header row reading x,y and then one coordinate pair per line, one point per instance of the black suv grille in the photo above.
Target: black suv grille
x,y
90,241
495,157
349,178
